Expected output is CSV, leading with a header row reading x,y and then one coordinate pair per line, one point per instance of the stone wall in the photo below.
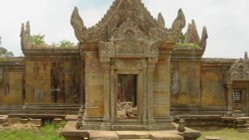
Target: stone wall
x,y
39,79
214,91
199,85
185,86
11,83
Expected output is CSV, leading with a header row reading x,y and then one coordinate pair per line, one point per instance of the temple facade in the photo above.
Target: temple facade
x,y
128,68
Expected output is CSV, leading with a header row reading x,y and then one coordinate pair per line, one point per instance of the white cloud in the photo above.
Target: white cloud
x,y
226,20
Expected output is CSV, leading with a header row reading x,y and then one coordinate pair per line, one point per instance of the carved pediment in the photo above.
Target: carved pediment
x,y
128,30
128,19
239,71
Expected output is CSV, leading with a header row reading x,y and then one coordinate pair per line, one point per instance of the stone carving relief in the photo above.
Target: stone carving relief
x,y
239,70
128,20
130,64
128,49
175,88
106,50
128,30
126,111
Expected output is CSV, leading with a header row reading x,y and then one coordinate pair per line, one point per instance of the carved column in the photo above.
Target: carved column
x,y
161,88
229,97
106,71
105,52
150,84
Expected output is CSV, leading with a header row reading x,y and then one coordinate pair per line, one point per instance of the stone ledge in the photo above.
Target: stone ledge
x,y
71,133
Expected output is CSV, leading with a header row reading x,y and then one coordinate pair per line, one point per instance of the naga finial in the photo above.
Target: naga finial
x,y
180,21
78,25
204,37
161,20
178,24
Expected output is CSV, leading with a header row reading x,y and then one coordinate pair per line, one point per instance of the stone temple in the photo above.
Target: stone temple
x,y
129,71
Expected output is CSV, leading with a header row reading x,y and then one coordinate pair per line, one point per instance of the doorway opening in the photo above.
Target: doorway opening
x,y
237,99
127,96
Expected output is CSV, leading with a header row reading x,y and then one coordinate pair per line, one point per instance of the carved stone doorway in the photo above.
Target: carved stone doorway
x,y
127,96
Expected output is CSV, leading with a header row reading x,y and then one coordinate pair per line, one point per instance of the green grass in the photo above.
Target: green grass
x,y
47,132
226,134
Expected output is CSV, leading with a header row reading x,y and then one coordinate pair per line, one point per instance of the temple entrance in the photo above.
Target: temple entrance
x,y
127,96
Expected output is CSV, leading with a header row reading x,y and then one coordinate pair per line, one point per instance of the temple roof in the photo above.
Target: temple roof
x,y
239,71
124,17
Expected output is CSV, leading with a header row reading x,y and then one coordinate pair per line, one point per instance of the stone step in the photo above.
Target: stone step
x,y
32,109
128,127
133,135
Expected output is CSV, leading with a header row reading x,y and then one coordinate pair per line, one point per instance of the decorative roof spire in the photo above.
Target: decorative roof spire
x,y
28,28
204,37
161,20
192,34
25,35
78,25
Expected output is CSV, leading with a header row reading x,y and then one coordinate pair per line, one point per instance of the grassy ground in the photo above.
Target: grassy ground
x,y
226,134
50,132
47,132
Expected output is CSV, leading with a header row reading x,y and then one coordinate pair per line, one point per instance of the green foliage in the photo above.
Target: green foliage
x,y
181,38
65,44
226,134
188,45
47,132
5,53
181,42
38,39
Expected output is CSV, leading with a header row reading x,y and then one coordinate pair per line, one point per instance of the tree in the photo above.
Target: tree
x,y
5,53
38,39
66,44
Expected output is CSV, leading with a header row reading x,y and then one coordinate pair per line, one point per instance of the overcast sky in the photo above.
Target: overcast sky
x,y
227,21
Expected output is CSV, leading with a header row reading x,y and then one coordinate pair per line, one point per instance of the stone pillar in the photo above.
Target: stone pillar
x,y
106,71
229,97
150,85
112,94
161,98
